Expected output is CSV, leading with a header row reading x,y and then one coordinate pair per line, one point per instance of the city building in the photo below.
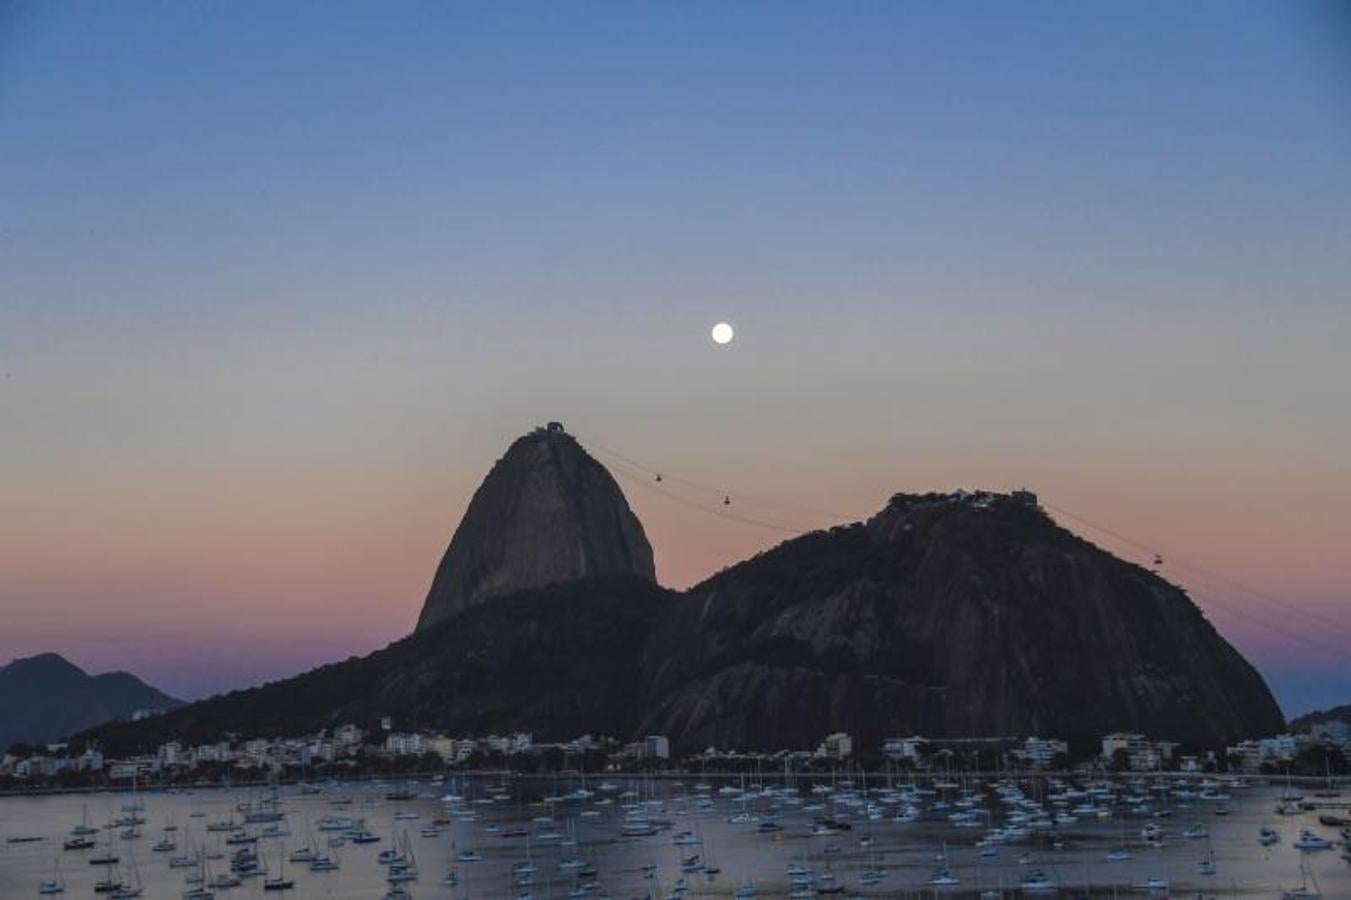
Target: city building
x,y
1041,753
1140,754
654,746
836,746
400,744
1251,755
509,744
1335,732
912,749
91,760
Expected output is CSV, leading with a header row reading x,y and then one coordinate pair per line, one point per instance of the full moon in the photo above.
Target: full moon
x,y
722,333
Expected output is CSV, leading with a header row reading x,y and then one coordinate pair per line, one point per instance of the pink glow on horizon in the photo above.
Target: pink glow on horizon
x,y
280,571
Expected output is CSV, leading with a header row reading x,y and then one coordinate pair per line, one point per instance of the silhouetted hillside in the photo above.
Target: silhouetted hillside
x,y
945,614
1308,720
963,615
941,616
557,661
45,697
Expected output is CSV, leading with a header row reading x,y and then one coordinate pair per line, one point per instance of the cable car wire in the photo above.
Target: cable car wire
x,y
662,476
719,492
1201,570
711,510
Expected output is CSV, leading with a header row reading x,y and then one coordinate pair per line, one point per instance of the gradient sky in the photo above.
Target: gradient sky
x,y
278,282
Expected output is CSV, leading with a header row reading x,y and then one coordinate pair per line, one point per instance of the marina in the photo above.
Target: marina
x,y
629,836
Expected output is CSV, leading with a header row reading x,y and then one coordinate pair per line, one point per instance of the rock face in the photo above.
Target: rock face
x,y
45,697
952,615
944,615
547,513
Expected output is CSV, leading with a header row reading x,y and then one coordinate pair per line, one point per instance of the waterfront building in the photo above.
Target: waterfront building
x,y
836,746
1041,752
912,749
171,754
1141,755
399,744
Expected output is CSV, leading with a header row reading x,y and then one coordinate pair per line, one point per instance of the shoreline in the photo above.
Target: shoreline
x,y
1308,782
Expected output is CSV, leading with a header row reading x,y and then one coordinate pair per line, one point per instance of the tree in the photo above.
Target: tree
x,y
1121,760
1320,759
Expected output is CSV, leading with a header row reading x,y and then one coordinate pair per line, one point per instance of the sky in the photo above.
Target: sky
x,y
279,282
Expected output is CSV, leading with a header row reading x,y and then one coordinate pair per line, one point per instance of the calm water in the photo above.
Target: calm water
x,y
511,823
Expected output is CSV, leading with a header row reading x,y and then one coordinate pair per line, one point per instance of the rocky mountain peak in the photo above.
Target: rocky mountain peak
x,y
961,614
546,513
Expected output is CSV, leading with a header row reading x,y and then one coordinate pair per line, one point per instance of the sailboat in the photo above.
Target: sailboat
x,y
201,882
828,883
405,867
127,891
166,843
1153,885
306,852
1307,840
78,842
109,883
944,877
1038,881
58,884
1304,891
281,882
326,863
84,829
874,873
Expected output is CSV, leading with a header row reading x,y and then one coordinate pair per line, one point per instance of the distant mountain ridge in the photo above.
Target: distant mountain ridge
x,y
957,615
1308,720
46,697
